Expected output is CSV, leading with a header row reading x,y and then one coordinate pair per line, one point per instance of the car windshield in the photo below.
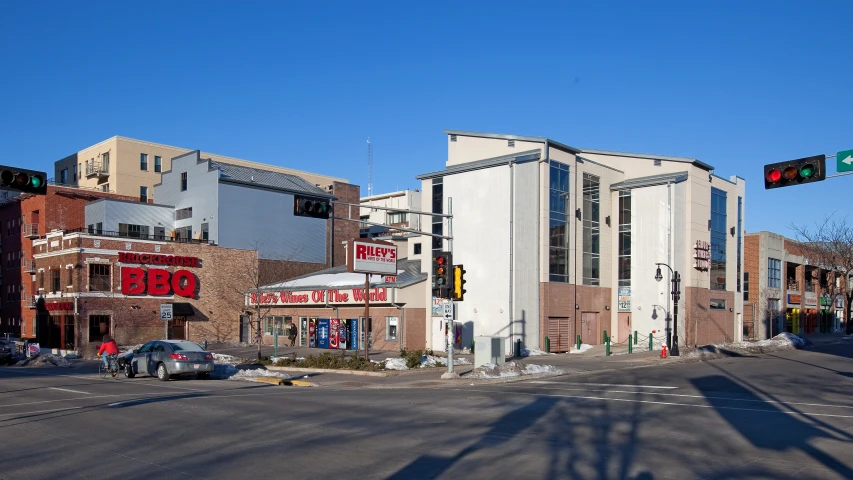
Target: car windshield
x,y
186,346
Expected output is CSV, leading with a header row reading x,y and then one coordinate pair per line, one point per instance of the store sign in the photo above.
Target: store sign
x,y
839,303
794,298
156,281
157,259
811,299
372,257
624,299
52,306
436,307
317,297
702,255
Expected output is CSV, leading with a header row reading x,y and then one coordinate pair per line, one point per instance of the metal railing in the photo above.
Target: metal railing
x,y
30,230
794,286
96,169
139,236
31,301
52,181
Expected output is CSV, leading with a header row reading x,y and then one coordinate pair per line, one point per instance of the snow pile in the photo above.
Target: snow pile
x,y
783,341
45,360
124,350
223,371
433,361
512,369
396,364
584,347
230,372
222,358
532,352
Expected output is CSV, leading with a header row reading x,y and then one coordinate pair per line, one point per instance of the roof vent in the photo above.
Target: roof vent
x,y
253,178
657,163
510,143
453,138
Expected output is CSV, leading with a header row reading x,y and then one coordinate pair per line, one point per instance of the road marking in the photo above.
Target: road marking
x,y
549,382
583,397
701,396
69,390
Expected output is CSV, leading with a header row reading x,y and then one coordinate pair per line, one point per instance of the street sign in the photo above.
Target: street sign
x,y
844,161
166,312
447,311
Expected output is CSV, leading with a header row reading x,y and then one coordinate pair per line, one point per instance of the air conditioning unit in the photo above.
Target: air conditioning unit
x,y
489,350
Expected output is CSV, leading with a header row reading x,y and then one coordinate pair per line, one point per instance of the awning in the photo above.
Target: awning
x,y
182,310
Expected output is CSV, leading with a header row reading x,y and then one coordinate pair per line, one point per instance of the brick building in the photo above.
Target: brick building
x,y
23,218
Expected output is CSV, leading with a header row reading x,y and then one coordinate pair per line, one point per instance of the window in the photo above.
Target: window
x,y
99,277
99,325
774,273
54,281
774,307
739,222
184,182
91,228
74,177
510,143
184,233
625,238
274,323
391,324
159,233
718,239
591,230
143,162
363,218
718,304
437,207
182,213
158,164
205,232
79,170
398,217
63,176
143,194
130,230
745,286
558,226
99,228
105,165
417,249
105,187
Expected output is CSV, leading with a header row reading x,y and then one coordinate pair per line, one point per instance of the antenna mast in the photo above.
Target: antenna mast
x,y
369,168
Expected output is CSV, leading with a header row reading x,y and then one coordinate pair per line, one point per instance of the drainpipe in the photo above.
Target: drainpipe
x,y
669,258
402,317
511,247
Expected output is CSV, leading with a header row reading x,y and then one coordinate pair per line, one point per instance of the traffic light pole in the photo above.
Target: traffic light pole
x,y
451,330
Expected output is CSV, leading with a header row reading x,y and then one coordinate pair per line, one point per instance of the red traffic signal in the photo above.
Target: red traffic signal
x,y
442,279
795,172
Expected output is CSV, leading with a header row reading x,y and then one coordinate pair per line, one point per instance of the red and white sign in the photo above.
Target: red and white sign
x,y
318,297
156,281
373,257
157,259
52,306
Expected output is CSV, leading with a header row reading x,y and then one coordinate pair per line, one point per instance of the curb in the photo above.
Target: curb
x,y
283,382
362,373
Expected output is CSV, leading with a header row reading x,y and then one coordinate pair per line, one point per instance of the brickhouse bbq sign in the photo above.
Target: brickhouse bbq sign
x,y
158,281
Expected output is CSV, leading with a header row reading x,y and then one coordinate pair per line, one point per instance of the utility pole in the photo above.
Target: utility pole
x,y
451,329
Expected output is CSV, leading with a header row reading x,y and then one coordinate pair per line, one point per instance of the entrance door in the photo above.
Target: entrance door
x,y
179,328
303,332
439,336
624,326
589,328
558,334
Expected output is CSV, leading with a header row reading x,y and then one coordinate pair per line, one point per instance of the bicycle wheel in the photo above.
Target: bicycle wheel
x,y
102,370
114,369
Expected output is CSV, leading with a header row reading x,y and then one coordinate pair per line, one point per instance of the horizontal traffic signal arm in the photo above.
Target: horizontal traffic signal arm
x,y
314,207
795,172
23,180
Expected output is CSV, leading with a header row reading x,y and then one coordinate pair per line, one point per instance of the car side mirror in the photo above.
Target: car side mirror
x,y
136,350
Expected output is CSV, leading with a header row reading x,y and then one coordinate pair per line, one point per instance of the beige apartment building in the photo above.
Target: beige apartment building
x,y
131,167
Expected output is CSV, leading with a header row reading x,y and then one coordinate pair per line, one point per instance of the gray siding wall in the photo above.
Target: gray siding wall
x,y
95,212
254,216
526,258
113,212
202,194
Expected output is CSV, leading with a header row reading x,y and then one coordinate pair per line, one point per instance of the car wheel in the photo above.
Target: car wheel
x,y
202,375
128,370
162,373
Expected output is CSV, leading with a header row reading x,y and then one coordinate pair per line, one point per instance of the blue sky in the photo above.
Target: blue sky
x,y
304,84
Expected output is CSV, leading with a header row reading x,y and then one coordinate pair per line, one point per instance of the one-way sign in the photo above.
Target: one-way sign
x,y
844,161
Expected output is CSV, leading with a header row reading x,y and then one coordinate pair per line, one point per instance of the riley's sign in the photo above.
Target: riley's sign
x,y
317,297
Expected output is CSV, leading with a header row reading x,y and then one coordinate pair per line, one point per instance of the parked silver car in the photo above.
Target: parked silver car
x,y
169,358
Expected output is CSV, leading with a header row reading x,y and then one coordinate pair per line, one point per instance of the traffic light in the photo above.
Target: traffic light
x,y
442,278
795,172
311,207
459,283
23,180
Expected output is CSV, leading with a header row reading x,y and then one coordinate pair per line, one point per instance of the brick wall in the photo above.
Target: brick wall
x,y
698,324
344,230
752,267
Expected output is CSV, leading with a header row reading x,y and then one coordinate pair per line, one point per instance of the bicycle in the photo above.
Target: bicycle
x,y
112,369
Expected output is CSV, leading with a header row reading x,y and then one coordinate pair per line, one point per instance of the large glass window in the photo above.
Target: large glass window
x,y
99,325
739,238
625,238
558,231
774,273
54,281
591,229
130,230
437,207
718,239
99,277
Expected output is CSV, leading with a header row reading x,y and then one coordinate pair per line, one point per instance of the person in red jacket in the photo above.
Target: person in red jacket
x,y
109,347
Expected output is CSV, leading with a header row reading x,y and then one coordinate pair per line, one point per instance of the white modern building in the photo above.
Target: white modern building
x,y
393,211
559,241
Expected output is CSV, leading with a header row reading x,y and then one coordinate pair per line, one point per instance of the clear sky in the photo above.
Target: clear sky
x,y
303,84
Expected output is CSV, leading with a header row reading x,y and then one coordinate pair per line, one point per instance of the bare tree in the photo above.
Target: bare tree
x,y
829,245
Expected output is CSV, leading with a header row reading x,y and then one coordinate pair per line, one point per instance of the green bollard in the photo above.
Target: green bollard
x,y
635,337
604,334
607,347
579,342
547,344
518,348
630,343
651,345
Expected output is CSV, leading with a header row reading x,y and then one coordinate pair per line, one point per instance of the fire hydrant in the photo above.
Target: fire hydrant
x,y
663,352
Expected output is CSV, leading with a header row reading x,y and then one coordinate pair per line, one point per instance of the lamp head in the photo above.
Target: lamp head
x,y
658,275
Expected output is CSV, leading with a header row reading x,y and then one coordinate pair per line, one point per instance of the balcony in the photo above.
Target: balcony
x,y
28,265
31,301
97,170
30,230
792,285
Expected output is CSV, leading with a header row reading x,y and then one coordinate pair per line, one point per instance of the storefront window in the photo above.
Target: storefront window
x,y
274,323
718,239
99,325
558,228
591,229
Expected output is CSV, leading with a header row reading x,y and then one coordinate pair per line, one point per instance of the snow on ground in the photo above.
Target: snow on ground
x,y
125,349
229,359
783,341
532,352
230,372
584,347
395,364
45,360
512,369
433,361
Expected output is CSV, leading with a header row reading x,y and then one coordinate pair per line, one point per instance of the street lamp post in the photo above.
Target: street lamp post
x,y
676,295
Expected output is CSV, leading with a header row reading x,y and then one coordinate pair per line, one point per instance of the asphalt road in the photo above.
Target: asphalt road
x,y
764,417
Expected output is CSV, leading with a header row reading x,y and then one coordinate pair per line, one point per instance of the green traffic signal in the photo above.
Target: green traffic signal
x,y
807,170
36,181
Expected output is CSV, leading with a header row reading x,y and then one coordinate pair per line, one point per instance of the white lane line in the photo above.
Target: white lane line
x,y
703,396
715,407
549,382
68,390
